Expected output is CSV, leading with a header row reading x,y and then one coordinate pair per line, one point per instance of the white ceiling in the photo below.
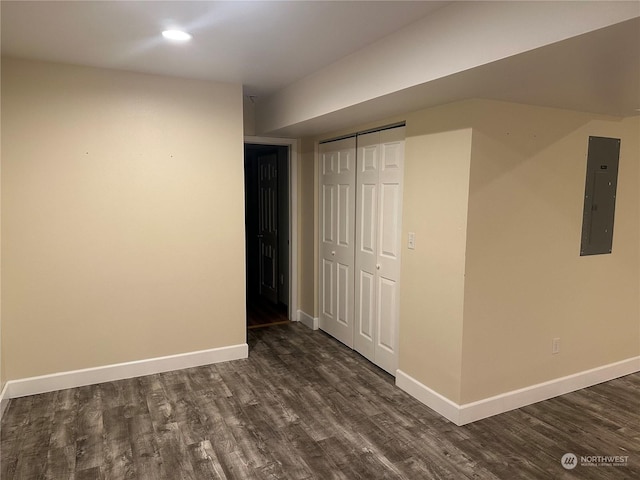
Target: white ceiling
x,y
263,45
597,72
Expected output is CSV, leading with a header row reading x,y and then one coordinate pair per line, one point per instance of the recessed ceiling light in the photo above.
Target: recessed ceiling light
x,y
177,35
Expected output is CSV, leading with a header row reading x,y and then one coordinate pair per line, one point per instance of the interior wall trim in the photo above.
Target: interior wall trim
x,y
432,399
474,411
4,400
293,212
121,371
307,320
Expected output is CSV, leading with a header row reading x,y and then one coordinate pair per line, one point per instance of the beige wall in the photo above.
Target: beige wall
x,y
525,280
306,228
2,374
122,214
432,280
494,192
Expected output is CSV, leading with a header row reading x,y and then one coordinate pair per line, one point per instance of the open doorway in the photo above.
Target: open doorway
x,y
267,227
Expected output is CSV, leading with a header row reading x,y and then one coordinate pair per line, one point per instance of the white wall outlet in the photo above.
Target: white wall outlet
x,y
555,346
412,241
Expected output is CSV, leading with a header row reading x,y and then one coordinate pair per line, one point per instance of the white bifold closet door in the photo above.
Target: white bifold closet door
x,y
360,239
380,161
337,238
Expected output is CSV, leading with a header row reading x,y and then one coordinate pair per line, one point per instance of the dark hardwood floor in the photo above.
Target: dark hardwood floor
x,y
302,406
262,313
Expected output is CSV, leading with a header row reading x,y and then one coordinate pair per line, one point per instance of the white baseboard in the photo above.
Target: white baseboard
x,y
307,320
487,407
4,400
430,398
120,371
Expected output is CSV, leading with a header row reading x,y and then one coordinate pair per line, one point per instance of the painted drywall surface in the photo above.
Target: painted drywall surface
x,y
122,214
525,280
2,374
248,115
306,228
432,279
455,38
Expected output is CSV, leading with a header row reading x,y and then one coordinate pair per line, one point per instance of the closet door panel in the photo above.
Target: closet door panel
x,y
337,234
366,310
345,215
344,286
387,309
326,289
367,221
389,247
360,242
327,228
368,158
388,220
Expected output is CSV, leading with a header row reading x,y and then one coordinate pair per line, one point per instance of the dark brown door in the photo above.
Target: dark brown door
x,y
268,225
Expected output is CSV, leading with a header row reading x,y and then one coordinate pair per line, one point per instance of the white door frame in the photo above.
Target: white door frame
x,y
293,213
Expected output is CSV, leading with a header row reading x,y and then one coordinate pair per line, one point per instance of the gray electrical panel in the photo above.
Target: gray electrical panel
x,y
600,195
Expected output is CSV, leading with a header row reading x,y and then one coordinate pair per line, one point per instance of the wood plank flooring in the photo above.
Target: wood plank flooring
x,y
303,406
